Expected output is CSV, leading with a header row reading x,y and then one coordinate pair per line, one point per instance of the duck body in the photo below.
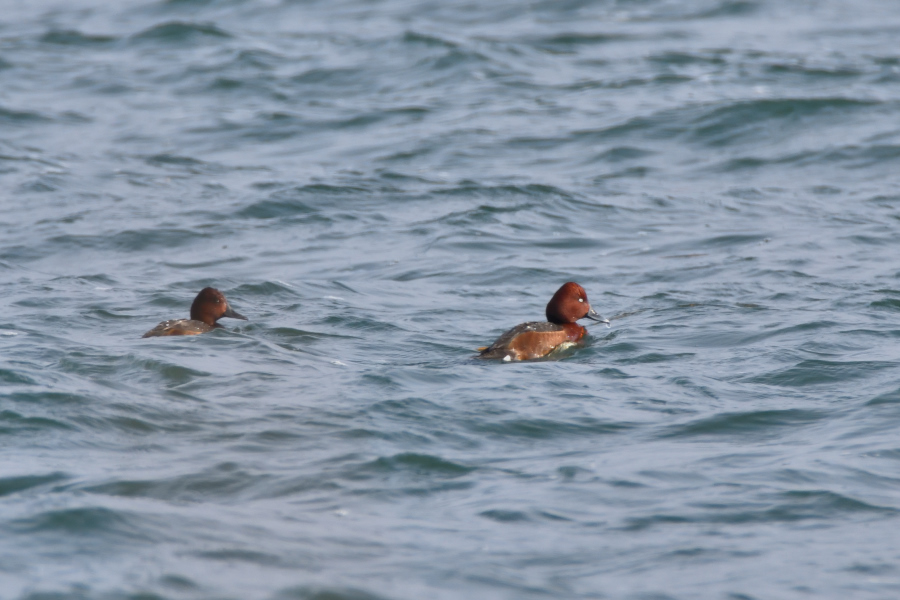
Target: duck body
x,y
537,339
208,307
180,327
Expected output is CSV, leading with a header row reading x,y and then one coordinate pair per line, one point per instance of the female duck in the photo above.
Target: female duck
x,y
539,338
209,306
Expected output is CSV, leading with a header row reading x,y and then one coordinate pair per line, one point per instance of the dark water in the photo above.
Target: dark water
x,y
384,186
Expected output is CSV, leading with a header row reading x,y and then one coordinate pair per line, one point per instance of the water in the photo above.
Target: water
x,y
382,187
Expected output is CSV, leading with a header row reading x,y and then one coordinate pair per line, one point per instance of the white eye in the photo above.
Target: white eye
x,y
581,299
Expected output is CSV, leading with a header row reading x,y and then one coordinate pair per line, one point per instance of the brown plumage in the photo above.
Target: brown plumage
x,y
537,339
208,307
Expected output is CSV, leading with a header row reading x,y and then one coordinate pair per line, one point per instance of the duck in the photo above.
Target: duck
x,y
538,339
208,307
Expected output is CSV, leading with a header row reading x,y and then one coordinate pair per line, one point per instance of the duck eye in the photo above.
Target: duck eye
x,y
581,299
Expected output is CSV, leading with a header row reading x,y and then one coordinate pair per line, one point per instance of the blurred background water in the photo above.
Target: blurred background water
x,y
382,187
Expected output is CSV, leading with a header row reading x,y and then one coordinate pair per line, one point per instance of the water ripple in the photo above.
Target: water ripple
x,y
383,187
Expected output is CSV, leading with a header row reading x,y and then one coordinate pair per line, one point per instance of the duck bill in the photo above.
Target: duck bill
x,y
593,316
230,312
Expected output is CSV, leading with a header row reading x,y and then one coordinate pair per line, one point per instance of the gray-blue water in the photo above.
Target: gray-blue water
x,y
384,186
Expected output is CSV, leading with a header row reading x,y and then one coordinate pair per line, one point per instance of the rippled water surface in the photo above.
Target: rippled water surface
x,y
384,186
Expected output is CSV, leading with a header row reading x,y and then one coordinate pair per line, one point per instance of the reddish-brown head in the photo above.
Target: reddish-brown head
x,y
569,304
210,305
